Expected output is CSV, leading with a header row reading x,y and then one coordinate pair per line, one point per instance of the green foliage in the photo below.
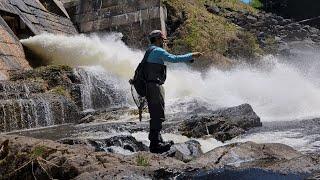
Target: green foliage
x,y
256,4
142,161
235,5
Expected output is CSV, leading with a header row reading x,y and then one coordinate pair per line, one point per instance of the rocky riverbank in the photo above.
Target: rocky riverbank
x,y
120,155
34,158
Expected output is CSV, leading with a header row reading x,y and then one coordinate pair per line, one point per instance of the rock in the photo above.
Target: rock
x,y
62,161
38,110
315,37
87,119
4,150
113,144
127,142
235,173
248,154
186,151
223,124
315,176
273,21
278,39
314,30
213,9
90,144
251,18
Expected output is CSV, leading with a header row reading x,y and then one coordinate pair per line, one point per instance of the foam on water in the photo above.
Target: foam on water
x,y
293,139
279,92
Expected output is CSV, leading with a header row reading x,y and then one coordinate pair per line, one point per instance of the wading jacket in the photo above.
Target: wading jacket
x,y
155,70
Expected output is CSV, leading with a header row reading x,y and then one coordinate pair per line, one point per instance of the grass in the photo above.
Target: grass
x,y
235,5
142,161
39,151
201,26
206,32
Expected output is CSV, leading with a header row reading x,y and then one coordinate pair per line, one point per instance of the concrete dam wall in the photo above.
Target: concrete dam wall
x,y
133,18
21,19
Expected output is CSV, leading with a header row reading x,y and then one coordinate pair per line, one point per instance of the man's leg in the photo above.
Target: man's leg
x,y
155,98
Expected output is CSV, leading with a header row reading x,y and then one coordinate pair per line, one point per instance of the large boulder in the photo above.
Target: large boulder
x,y
223,124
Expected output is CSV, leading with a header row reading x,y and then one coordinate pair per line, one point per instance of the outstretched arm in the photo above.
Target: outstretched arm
x,y
175,58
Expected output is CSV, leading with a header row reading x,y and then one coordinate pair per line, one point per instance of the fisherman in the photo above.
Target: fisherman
x,y
155,75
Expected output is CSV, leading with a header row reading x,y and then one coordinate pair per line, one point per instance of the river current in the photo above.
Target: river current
x,y
284,92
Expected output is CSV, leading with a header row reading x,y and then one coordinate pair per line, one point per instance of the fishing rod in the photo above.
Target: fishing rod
x,y
140,102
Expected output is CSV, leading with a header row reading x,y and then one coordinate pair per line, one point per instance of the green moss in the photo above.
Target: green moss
x,y
52,68
202,31
39,151
60,90
142,161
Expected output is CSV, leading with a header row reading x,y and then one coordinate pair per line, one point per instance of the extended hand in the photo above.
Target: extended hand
x,y
197,54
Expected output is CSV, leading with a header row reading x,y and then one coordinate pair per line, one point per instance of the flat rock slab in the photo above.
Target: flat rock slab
x,y
185,151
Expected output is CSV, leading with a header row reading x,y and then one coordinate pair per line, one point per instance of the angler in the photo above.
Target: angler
x,y
152,74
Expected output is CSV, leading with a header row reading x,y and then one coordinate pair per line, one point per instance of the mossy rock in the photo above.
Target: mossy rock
x,y
60,90
191,27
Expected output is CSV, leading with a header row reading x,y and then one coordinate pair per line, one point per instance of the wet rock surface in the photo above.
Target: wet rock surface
x,y
44,158
112,144
247,153
229,173
68,162
185,151
223,124
52,95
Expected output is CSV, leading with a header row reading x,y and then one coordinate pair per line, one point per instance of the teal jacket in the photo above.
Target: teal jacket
x,y
159,56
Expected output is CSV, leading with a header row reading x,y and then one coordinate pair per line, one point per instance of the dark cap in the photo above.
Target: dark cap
x,y
157,34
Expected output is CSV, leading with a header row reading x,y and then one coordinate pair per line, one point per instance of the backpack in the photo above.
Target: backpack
x,y
139,81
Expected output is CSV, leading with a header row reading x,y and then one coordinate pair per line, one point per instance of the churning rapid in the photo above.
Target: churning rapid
x,y
280,91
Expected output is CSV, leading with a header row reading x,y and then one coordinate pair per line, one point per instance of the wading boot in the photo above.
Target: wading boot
x,y
160,147
157,145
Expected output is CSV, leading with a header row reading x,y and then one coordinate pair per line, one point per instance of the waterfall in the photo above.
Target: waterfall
x,y
279,89
100,89
37,111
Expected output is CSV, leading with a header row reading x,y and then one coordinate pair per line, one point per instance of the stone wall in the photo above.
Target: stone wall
x,y
24,18
133,18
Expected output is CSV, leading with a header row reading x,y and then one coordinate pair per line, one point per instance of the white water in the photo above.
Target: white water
x,y
277,92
